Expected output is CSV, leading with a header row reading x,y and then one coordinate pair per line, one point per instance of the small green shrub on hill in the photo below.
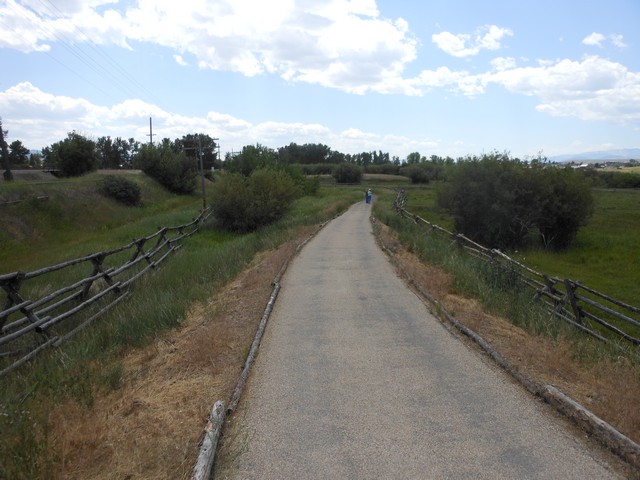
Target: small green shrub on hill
x,y
174,170
120,189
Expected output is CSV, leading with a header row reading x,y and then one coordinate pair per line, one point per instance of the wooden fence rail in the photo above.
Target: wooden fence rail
x,y
594,313
45,307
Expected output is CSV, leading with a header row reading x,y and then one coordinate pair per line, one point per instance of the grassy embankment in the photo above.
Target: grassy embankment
x,y
75,221
602,256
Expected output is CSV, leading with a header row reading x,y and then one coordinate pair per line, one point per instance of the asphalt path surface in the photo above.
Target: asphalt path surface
x,y
355,379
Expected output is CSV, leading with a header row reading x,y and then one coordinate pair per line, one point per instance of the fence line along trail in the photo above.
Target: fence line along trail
x,y
356,379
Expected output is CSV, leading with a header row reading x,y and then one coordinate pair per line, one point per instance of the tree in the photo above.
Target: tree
x,y
251,158
35,160
503,203
191,144
4,154
566,204
174,170
413,158
73,156
19,154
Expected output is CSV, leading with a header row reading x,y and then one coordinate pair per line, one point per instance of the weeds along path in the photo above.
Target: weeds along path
x,y
356,379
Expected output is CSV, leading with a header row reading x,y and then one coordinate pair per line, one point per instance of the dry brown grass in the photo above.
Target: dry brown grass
x,y
151,426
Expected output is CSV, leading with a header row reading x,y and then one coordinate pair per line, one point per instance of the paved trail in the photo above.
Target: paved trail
x,y
355,379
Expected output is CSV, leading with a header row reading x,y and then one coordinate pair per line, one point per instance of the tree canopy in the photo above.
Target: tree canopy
x,y
505,203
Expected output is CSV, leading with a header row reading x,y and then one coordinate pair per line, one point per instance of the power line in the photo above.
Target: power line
x,y
117,75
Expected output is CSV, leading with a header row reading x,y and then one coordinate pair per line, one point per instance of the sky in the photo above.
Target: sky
x,y
438,77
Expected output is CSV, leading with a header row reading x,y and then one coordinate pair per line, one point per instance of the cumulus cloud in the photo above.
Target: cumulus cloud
x,y
592,89
38,119
597,40
343,44
487,37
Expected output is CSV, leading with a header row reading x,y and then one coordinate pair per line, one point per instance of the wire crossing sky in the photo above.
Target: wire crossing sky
x,y
440,77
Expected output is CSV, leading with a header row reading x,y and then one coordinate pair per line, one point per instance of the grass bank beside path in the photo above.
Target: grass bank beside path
x,y
38,401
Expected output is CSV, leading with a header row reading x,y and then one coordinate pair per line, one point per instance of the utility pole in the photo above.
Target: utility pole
x,y
217,144
204,195
151,134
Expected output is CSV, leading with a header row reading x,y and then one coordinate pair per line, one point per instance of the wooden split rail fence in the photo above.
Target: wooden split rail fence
x,y
594,313
45,307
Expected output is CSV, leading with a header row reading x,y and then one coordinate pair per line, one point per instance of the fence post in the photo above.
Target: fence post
x,y
571,289
11,288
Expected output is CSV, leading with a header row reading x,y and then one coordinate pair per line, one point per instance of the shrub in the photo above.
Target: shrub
x,y
347,173
173,170
416,173
566,204
246,203
120,189
503,203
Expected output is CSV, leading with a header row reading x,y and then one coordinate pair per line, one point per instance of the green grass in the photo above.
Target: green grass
x,y
603,256
75,220
90,362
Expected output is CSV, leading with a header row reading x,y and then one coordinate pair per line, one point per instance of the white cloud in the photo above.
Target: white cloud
x,y
39,119
487,37
180,61
594,89
617,40
595,39
343,44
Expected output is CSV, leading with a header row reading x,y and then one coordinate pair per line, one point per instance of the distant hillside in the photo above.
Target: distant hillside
x,y
620,155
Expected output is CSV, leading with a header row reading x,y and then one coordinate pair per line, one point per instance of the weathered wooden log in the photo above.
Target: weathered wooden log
x,y
618,315
614,329
78,307
206,457
235,397
612,438
609,299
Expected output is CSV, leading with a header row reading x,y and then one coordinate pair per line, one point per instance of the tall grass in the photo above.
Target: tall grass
x,y
471,276
91,361
496,289
602,254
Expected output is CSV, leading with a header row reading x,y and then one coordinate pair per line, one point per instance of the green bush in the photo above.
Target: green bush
x,y
120,189
173,170
416,173
504,203
244,204
347,173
